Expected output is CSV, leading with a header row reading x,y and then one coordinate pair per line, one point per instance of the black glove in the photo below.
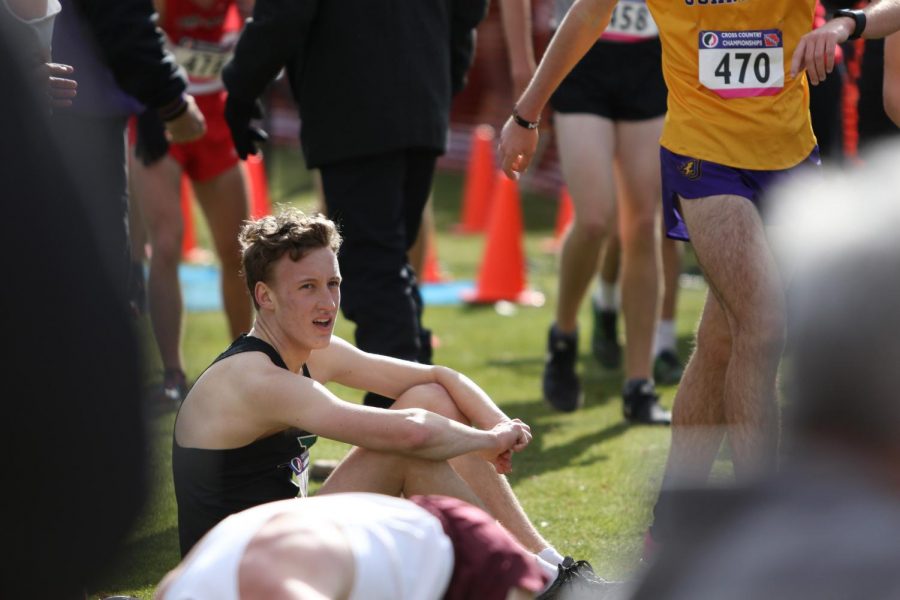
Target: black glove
x,y
151,144
246,137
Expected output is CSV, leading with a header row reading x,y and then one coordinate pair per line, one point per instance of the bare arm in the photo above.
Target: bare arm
x,y
581,27
516,17
815,51
882,19
287,399
345,364
892,77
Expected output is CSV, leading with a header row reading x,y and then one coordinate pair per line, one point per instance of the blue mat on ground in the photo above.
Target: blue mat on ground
x,y
200,286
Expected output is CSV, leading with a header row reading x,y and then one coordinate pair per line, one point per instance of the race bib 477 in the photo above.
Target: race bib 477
x,y
742,64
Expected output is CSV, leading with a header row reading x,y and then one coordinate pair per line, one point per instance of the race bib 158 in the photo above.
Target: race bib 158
x,y
630,22
742,64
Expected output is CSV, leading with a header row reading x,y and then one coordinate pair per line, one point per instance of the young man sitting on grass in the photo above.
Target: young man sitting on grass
x,y
243,433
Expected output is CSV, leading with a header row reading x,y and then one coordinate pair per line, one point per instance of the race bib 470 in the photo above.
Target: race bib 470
x,y
742,64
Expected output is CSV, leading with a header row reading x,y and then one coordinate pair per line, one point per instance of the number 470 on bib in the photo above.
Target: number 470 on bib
x,y
742,64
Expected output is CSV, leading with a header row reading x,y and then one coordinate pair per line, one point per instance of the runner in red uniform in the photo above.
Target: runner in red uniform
x,y
201,35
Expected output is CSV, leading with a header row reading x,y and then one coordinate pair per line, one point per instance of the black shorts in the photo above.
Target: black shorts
x,y
616,80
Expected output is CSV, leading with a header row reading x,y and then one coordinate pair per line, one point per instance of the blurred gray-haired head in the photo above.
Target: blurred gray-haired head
x,y
837,237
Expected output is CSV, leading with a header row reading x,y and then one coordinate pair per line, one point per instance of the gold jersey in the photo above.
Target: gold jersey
x,y
727,66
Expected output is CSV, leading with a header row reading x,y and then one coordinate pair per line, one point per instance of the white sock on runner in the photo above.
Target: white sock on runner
x,y
606,295
665,336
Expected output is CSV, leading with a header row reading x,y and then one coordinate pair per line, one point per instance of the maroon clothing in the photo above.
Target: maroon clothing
x,y
487,561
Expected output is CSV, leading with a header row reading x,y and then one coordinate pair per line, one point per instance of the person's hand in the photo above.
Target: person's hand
x,y
239,114
60,88
516,149
815,51
188,126
511,436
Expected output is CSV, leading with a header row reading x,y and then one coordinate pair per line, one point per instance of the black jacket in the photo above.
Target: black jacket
x,y
369,76
119,37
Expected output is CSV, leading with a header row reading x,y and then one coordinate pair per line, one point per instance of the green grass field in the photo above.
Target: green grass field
x,y
588,479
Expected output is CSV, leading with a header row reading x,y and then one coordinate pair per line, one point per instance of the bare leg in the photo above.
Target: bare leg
x,y
382,473
586,155
698,416
730,242
158,190
224,200
493,489
610,260
637,170
671,260
470,478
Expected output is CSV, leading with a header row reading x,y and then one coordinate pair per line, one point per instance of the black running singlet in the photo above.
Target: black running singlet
x,y
213,484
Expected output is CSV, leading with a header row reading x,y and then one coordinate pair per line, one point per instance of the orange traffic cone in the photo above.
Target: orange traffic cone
x,y
479,182
189,237
502,272
564,214
255,170
432,269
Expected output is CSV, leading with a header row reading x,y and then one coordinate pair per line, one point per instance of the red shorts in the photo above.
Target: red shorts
x,y
214,153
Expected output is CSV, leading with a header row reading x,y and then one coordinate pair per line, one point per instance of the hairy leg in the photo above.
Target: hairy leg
x,y
637,170
698,416
224,200
586,154
731,246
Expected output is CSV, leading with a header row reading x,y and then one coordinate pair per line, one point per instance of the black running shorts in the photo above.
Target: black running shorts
x,y
616,80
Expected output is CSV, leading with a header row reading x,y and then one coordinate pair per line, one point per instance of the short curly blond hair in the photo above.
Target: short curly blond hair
x,y
267,239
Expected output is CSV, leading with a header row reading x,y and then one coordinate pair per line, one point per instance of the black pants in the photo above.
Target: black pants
x,y
95,150
377,203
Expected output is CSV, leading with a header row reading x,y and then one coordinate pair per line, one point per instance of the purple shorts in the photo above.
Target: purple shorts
x,y
692,178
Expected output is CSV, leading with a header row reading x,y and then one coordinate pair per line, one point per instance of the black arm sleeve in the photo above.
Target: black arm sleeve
x,y
133,47
274,36
467,14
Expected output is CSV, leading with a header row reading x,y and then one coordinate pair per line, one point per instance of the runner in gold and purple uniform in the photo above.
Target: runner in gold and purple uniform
x,y
737,121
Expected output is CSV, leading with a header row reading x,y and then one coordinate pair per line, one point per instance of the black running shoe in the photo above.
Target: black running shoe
x,y
667,367
561,387
605,338
640,404
575,580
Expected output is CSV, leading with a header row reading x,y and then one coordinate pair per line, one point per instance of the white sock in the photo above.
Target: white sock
x,y
551,571
606,295
665,336
550,555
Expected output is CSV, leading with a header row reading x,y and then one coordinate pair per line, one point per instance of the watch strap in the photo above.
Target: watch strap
x,y
522,122
859,21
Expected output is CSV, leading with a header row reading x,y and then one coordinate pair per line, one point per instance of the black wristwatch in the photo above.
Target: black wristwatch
x,y
859,20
